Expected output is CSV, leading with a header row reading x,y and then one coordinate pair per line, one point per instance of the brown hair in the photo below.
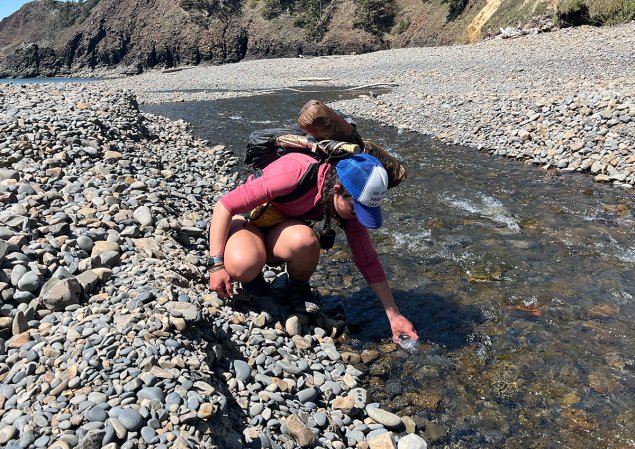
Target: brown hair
x,y
328,192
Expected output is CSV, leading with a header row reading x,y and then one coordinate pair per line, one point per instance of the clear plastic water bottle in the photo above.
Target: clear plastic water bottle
x,y
407,343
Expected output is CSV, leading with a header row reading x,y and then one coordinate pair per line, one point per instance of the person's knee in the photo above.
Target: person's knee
x,y
244,266
303,240
244,251
303,253
245,271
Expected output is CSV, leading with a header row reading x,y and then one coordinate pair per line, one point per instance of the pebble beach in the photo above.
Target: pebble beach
x,y
563,100
109,335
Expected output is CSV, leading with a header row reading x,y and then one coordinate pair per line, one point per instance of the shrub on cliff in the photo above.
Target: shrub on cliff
x,y
314,16
456,8
211,8
594,12
374,16
274,8
70,12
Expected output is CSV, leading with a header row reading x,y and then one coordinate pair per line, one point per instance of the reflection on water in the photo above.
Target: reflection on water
x,y
519,282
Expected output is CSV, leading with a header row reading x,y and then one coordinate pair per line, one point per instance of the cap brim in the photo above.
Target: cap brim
x,y
369,217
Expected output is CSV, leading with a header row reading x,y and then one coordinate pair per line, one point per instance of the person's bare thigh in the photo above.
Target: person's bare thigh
x,y
279,236
245,247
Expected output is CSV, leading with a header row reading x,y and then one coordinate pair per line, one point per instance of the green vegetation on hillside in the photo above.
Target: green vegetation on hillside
x,y
456,8
594,12
275,8
203,9
314,16
70,12
374,16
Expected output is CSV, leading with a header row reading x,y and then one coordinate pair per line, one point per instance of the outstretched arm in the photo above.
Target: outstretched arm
x,y
368,263
398,323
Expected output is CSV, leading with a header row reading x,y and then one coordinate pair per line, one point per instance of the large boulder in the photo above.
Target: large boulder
x,y
300,432
58,294
91,278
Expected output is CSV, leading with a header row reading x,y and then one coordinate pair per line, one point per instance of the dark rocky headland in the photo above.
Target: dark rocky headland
x,y
54,38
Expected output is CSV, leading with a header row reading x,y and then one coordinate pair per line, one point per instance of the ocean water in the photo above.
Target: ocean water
x,y
46,80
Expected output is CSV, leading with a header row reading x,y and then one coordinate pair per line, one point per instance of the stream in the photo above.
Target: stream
x,y
519,281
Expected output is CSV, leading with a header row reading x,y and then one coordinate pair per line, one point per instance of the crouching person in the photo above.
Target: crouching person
x,y
348,191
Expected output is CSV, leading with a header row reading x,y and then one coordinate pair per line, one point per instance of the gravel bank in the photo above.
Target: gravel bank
x,y
109,336
563,100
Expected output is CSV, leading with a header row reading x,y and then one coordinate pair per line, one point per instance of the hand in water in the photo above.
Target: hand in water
x,y
403,332
407,343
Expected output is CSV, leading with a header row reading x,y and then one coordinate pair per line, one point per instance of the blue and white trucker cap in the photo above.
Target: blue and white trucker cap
x,y
366,180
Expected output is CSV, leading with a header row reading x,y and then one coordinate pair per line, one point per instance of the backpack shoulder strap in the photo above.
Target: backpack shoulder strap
x,y
284,150
307,182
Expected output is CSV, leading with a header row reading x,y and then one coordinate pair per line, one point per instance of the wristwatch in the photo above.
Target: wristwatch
x,y
214,260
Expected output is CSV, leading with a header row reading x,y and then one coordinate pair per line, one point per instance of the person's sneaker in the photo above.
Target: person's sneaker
x,y
302,299
257,287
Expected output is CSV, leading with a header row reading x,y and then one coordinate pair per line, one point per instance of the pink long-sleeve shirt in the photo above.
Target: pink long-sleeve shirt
x,y
280,178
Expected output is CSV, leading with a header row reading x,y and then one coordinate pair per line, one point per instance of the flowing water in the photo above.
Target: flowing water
x,y
519,282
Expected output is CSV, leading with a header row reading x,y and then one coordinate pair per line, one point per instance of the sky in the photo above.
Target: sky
x,y
8,7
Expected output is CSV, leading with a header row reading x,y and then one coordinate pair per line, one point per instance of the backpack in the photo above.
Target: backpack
x,y
267,145
322,133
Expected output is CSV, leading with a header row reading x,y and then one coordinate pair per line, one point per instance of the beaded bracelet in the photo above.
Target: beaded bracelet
x,y
217,268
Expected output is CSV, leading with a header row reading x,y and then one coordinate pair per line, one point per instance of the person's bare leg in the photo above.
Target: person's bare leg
x,y
296,244
244,251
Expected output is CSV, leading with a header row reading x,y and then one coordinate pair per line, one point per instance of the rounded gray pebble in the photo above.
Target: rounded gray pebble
x,y
7,433
149,435
152,393
85,243
29,282
320,419
307,395
97,414
130,419
243,371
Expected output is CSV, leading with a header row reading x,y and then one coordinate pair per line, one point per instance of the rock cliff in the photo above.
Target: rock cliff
x,y
46,38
